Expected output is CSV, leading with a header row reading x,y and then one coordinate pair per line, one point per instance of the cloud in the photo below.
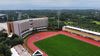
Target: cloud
x,y
8,2
26,4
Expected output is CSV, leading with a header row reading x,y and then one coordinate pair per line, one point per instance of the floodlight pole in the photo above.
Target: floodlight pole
x,y
58,14
19,15
7,17
27,16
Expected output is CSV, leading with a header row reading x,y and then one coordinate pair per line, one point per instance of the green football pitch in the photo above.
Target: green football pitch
x,y
61,45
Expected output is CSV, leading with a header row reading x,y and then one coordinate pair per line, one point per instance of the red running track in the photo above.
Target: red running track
x,y
37,37
43,35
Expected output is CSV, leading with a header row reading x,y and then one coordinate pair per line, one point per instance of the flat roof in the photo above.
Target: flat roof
x,y
14,52
21,21
2,14
21,50
88,31
3,26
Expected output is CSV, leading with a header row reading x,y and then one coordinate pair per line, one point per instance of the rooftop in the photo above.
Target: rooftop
x,y
3,26
88,31
19,50
21,21
2,14
14,53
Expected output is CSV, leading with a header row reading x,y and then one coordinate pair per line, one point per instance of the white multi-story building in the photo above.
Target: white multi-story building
x,y
24,26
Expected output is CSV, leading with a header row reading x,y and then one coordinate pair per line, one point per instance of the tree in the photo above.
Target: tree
x,y
1,54
5,50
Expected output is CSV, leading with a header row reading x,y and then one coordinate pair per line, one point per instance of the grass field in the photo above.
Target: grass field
x,y
61,45
96,22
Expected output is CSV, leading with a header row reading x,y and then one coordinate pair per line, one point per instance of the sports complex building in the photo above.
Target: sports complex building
x,y
66,42
82,32
22,27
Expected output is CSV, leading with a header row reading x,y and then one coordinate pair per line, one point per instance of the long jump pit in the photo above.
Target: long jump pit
x,y
43,35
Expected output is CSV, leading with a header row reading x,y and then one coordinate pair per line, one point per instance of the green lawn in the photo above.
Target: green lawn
x,y
61,45
96,22
68,23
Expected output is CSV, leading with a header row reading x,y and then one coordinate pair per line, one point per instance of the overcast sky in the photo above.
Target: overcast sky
x,y
49,4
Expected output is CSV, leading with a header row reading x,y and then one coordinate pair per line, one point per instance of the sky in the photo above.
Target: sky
x,y
49,4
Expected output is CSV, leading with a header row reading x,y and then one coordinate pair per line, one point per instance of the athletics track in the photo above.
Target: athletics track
x,y
44,35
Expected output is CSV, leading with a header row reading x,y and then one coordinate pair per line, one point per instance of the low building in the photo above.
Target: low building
x,y
85,33
19,50
22,27
3,18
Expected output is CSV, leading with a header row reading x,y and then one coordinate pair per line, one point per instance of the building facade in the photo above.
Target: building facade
x,y
24,26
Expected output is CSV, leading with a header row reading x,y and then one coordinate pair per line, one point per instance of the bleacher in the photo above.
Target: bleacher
x,y
85,33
